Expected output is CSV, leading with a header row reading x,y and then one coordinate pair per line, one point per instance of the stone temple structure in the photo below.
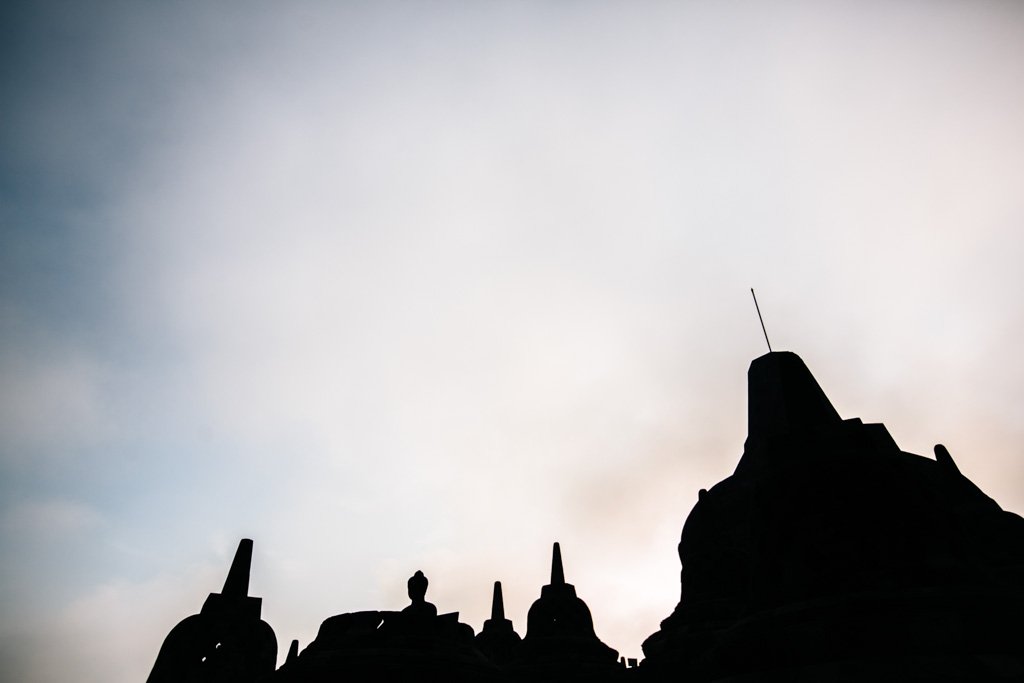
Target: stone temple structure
x,y
828,555
227,641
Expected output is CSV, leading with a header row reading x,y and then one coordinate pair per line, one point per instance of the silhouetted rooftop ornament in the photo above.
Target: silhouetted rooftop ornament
x,y
559,628
557,573
558,603
417,585
758,308
497,604
497,621
237,582
498,639
943,457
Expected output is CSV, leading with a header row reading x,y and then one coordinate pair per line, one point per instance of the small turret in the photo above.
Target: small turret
x,y
293,652
559,611
498,639
559,628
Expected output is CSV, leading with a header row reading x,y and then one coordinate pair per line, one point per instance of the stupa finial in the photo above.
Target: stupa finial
x,y
237,583
557,573
497,603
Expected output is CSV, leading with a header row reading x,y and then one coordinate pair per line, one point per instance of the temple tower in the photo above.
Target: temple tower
x,y
830,554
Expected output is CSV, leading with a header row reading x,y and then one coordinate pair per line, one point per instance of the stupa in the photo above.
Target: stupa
x,y
498,639
830,554
560,642
226,642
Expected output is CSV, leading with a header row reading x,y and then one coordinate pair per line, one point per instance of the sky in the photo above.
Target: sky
x,y
390,286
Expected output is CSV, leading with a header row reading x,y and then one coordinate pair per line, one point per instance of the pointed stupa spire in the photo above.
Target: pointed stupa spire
x,y
559,617
557,574
231,616
498,639
237,583
497,603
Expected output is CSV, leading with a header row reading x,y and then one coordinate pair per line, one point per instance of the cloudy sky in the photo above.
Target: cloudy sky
x,y
398,286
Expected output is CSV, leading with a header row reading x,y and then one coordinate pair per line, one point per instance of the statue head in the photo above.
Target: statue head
x,y
417,587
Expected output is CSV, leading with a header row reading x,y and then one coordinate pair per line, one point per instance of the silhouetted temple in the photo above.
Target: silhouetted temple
x,y
828,555
226,641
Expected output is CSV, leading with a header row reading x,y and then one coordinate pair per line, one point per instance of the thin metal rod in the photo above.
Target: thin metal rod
x,y
761,319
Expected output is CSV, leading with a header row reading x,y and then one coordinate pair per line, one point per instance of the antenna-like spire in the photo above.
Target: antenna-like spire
x,y
237,583
557,575
497,604
761,319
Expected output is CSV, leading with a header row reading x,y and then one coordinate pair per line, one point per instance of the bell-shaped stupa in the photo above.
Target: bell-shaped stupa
x,y
560,642
227,641
498,639
830,554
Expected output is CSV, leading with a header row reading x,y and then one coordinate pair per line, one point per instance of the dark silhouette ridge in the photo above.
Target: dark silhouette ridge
x,y
828,555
